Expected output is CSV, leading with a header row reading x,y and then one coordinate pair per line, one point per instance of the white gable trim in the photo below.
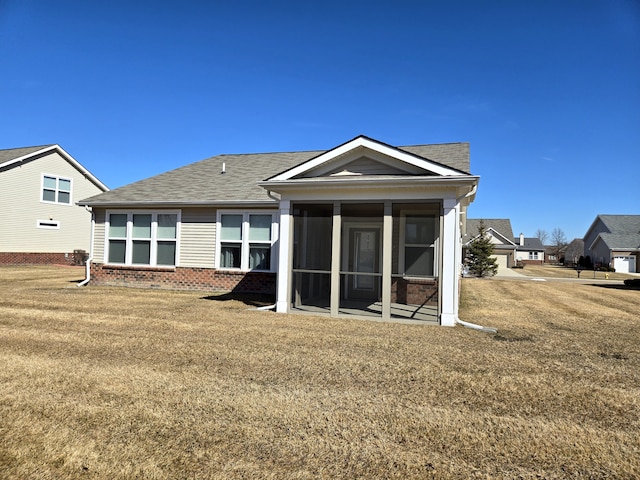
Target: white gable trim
x,y
497,233
66,156
363,142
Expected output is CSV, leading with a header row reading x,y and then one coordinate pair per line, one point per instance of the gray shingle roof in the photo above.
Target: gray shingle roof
x,y
203,183
500,225
530,243
12,153
622,223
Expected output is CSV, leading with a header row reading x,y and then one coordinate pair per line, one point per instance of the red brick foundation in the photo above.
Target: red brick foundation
x,y
181,278
25,258
415,291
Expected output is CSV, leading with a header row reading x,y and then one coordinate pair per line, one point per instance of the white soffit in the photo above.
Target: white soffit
x,y
366,143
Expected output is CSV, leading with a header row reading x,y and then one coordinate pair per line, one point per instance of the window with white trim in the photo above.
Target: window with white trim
x,y
142,238
245,240
56,189
533,255
418,244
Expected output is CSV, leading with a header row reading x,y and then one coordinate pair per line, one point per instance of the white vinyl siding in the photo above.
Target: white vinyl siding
x,y
21,197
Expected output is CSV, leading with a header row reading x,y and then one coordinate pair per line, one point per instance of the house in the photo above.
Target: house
x,y
529,250
501,235
614,241
40,221
364,229
572,252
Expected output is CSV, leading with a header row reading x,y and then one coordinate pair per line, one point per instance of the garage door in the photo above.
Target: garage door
x,y
625,264
501,261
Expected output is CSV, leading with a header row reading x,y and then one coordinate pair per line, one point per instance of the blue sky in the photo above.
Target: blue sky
x,y
546,92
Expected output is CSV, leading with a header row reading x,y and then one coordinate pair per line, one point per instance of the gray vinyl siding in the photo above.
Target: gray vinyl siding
x,y
22,208
198,237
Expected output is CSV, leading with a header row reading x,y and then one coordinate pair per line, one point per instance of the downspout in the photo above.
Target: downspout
x,y
269,307
90,259
473,326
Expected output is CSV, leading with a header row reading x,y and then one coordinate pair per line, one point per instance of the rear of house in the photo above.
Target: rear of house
x,y
363,229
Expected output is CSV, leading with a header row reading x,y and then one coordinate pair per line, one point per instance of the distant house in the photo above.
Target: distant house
x,y
573,252
614,241
501,234
529,250
41,222
365,229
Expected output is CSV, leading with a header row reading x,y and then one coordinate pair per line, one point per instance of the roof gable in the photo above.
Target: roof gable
x,y
17,156
364,156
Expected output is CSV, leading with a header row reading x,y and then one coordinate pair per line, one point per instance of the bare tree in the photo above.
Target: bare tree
x,y
559,243
542,235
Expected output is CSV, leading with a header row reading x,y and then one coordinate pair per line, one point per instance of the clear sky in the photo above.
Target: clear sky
x,y
547,92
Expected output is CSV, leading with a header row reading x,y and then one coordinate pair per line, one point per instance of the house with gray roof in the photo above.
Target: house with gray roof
x,y
364,229
529,250
41,222
614,241
500,234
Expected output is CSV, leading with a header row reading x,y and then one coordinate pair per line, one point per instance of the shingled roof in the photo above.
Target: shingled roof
x,y
499,225
204,183
10,154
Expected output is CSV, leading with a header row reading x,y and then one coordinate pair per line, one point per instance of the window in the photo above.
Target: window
x,y
56,189
418,249
142,238
533,255
245,240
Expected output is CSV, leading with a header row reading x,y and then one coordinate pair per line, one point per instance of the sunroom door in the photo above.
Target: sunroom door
x,y
362,263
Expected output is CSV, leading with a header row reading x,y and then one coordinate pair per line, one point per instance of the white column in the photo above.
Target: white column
x,y
284,254
450,246
336,247
387,241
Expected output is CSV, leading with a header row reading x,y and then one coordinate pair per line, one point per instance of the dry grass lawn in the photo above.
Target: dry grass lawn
x,y
108,383
559,271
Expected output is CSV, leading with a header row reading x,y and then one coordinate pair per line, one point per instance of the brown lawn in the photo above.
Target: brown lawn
x,y
559,271
107,383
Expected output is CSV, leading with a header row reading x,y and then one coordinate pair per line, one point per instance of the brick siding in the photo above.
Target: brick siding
x,y
26,258
181,278
415,291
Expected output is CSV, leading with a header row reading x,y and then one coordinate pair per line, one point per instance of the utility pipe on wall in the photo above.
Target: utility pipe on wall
x,y
90,259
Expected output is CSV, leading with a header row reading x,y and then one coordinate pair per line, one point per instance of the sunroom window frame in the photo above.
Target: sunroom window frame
x,y
402,245
245,242
154,239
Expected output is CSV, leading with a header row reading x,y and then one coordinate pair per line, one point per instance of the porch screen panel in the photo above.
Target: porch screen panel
x,y
361,262
415,250
311,275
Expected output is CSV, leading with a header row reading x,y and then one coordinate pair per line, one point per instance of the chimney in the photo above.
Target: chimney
x,y
522,239
224,168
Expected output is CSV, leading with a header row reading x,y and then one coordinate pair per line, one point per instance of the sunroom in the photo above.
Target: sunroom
x,y
368,230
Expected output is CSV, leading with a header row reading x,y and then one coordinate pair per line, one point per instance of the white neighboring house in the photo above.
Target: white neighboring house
x,y
363,229
529,250
41,222
614,241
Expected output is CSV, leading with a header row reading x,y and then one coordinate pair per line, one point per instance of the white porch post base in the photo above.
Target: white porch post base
x,y
448,320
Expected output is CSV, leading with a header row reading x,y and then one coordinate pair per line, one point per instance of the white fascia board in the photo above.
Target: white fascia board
x,y
82,169
379,180
371,145
28,155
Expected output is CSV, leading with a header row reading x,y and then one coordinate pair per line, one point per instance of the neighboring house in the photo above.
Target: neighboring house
x,y
40,221
572,252
501,234
614,241
529,250
363,229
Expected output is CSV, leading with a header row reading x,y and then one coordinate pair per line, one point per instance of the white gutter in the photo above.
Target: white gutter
x,y
90,259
